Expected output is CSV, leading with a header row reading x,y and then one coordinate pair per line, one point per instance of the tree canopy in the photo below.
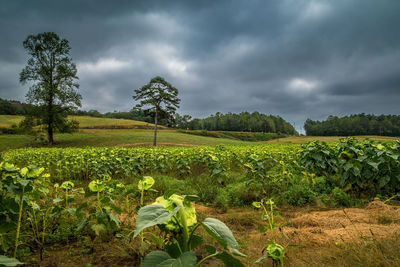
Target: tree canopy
x,y
52,77
159,99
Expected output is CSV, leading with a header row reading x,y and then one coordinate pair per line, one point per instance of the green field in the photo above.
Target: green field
x,y
85,122
6,121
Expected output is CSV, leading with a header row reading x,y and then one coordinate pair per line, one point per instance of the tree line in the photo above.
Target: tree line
x,y
357,124
13,107
244,122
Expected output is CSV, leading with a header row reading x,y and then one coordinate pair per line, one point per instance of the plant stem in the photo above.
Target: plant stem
x,y
191,235
141,198
206,258
127,204
21,204
185,229
98,200
44,228
66,198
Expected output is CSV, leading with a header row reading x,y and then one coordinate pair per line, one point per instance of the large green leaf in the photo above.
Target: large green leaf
x,y
384,180
187,259
162,259
146,183
114,219
229,260
8,262
154,258
151,215
195,241
373,164
173,249
97,186
220,232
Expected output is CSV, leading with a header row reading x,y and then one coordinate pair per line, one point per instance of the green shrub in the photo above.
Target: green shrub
x,y
341,198
299,195
222,200
163,183
327,200
241,193
204,186
321,185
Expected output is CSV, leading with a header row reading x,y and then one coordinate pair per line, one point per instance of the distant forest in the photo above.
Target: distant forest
x,y
12,107
243,122
358,124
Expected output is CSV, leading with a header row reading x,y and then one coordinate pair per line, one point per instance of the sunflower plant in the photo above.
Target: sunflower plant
x,y
102,218
270,214
176,217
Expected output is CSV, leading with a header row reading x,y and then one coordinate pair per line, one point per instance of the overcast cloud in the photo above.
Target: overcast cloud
x,y
295,58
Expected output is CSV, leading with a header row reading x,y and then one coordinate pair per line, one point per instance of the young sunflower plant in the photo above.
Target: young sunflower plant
x,y
176,217
270,214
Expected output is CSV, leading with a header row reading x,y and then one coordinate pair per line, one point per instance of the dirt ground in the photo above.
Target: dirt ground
x,y
314,237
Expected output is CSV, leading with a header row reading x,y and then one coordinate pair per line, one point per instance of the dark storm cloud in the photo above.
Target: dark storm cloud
x,y
295,58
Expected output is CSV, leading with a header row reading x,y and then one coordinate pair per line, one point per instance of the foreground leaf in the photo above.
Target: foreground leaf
x,y
154,258
229,260
220,232
151,215
8,262
162,259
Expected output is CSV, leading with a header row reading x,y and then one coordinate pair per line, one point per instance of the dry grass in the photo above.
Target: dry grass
x,y
349,237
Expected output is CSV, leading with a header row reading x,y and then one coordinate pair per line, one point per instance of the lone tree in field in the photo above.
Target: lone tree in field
x,y
52,76
160,97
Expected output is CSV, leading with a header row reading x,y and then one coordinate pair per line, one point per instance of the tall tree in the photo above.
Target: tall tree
x,y
53,78
159,98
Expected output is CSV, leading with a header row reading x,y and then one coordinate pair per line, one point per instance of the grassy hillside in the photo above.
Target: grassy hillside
x,y
86,122
6,121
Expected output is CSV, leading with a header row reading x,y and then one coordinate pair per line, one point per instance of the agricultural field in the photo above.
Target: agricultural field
x,y
115,137
315,204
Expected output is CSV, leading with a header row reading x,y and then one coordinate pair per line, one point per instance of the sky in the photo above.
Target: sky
x,y
297,59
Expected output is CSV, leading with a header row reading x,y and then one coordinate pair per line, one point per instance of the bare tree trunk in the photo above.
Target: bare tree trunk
x,y
50,125
155,130
50,109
